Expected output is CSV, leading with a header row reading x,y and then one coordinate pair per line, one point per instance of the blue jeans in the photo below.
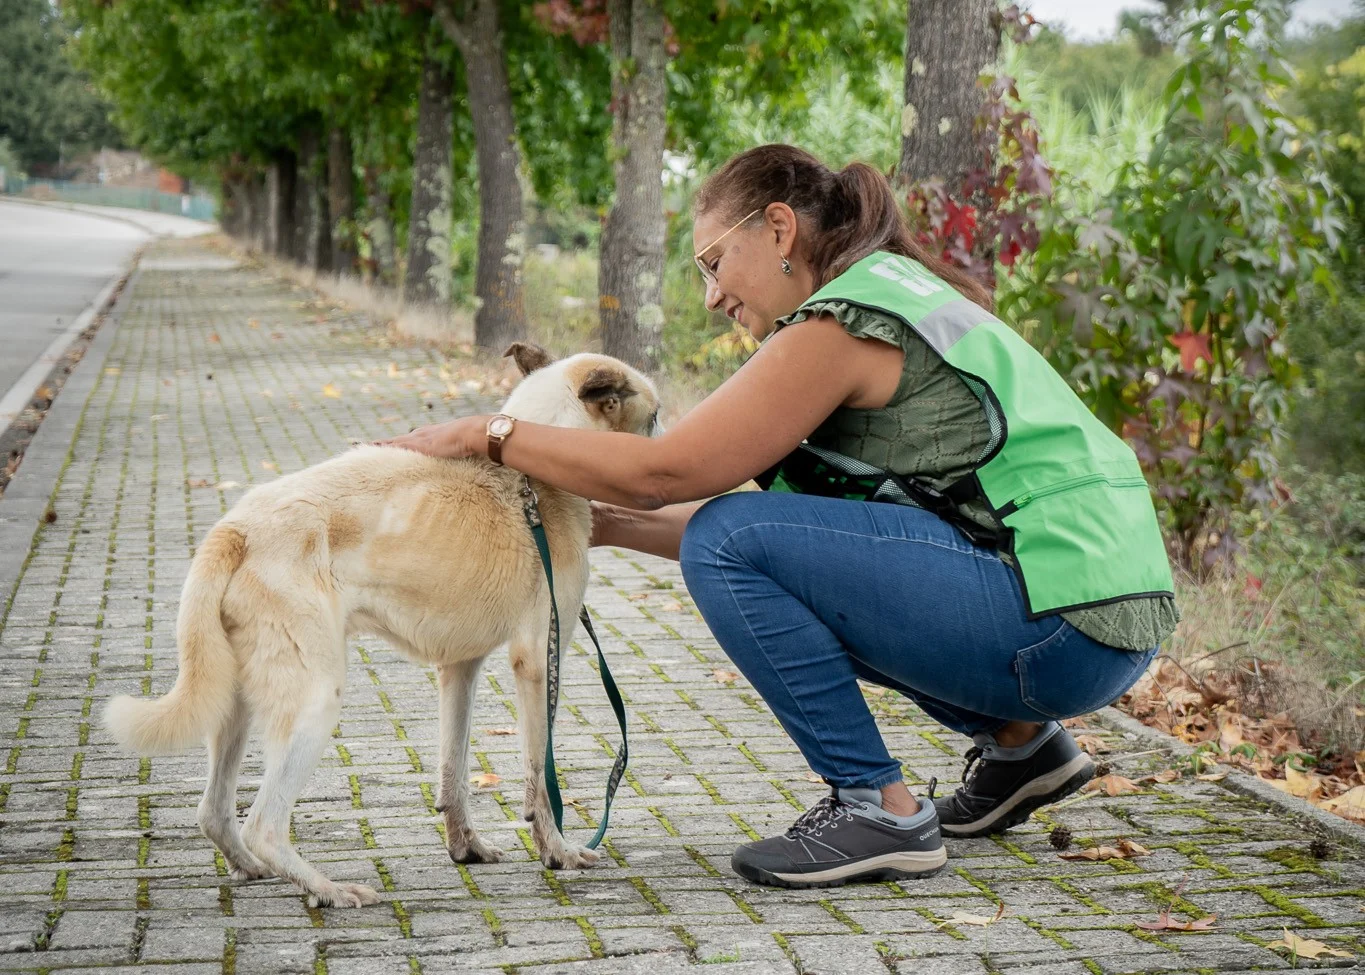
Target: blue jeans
x,y
806,594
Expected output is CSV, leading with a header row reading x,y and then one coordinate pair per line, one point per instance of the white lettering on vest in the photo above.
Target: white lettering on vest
x,y
908,274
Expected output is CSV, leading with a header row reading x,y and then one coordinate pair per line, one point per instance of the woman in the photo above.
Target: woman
x,y
1018,579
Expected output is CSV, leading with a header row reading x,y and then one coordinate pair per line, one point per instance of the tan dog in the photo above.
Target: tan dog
x,y
433,556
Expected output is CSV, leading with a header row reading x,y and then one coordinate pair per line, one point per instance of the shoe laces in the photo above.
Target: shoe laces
x,y
827,811
969,771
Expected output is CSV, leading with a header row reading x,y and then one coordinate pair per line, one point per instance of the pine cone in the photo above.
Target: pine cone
x,y
1320,848
1103,769
1060,837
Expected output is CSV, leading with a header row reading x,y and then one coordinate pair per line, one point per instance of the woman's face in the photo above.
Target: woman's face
x,y
744,275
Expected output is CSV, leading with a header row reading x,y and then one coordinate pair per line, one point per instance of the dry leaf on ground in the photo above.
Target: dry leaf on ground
x,y
1212,777
1093,744
1114,785
724,676
672,607
199,482
331,391
637,597
226,485
485,780
961,917
1167,775
500,731
1350,804
1306,947
1124,850
1164,922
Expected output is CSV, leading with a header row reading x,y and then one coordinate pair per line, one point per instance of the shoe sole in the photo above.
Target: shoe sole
x,y
1040,792
888,866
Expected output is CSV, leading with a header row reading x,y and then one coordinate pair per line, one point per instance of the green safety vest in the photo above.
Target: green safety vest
x,y
1070,502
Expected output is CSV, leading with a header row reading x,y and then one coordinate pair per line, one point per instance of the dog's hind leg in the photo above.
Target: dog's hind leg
x,y
299,728
528,664
458,683
218,807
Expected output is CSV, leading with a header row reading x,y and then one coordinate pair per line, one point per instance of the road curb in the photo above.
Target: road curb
x,y
27,496
1318,820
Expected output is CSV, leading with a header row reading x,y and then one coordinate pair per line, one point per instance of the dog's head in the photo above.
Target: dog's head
x,y
589,391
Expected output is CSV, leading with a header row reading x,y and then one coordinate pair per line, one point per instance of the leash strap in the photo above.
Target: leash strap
x,y
553,649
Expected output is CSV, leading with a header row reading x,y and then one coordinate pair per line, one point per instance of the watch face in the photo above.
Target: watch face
x,y
500,426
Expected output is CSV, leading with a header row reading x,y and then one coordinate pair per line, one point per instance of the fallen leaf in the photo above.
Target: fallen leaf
x,y
332,391
1093,744
199,482
1212,777
500,731
1165,923
672,607
1305,785
637,597
226,485
1306,947
485,780
961,917
724,676
213,337
1113,784
1124,850
44,392
112,370
1167,775
812,777
268,465
252,323
1350,803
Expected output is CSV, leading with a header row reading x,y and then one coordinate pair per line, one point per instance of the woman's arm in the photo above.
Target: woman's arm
x,y
753,420
652,532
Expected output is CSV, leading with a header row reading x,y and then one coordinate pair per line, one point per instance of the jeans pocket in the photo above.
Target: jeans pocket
x,y
1069,674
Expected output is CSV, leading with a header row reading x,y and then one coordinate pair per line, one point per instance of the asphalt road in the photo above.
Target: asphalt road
x,y
53,263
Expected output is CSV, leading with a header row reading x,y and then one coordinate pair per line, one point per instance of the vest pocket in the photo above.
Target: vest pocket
x,y
1069,674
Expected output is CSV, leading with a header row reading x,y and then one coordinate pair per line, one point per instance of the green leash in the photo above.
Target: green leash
x,y
531,509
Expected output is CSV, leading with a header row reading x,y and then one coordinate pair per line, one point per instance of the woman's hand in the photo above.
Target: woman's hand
x,y
461,437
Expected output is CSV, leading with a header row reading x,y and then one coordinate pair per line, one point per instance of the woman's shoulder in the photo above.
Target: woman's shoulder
x,y
858,321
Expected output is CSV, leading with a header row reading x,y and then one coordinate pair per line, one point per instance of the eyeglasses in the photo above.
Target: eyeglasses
x,y
706,272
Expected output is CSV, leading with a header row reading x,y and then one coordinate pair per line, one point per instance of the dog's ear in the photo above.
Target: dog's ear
x,y
606,388
528,356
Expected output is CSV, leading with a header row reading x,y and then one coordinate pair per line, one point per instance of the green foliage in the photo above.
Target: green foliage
x,y
48,110
1079,73
1328,342
1310,551
1166,307
9,162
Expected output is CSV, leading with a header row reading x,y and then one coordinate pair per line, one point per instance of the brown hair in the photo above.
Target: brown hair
x,y
847,215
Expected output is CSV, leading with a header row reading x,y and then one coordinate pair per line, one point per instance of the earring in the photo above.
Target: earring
x,y
786,266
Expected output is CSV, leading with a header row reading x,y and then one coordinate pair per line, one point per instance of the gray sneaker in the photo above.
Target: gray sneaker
x,y
841,839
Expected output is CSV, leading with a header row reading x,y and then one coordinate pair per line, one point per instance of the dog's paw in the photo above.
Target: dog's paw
x,y
475,850
343,895
252,869
567,856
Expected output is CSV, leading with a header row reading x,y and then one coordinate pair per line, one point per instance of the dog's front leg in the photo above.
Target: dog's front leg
x,y
458,682
555,852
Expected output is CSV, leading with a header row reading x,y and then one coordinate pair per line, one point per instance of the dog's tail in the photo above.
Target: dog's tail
x,y
204,691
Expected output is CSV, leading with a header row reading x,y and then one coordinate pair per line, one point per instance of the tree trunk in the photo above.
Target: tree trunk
x,y
379,227
501,315
306,215
631,264
426,281
280,192
341,200
258,204
948,44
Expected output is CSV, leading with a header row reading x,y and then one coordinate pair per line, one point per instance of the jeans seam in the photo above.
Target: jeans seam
x,y
1025,679
796,701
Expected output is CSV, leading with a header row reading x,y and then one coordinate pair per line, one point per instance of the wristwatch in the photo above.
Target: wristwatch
x,y
499,429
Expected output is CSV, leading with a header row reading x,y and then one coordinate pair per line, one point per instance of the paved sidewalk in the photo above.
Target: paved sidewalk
x,y
217,378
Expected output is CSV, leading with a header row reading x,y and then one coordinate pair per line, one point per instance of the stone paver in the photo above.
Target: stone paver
x,y
222,375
